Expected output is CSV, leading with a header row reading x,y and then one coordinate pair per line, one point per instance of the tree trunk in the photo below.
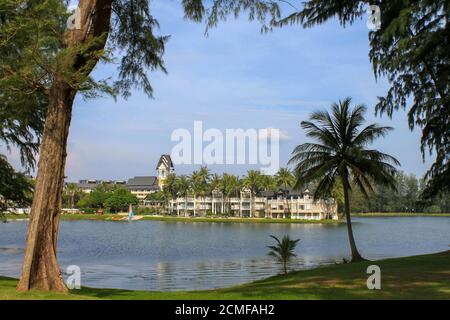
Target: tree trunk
x,y
40,268
251,204
195,205
355,254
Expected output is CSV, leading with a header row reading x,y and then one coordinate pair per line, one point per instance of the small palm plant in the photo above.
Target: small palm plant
x,y
283,251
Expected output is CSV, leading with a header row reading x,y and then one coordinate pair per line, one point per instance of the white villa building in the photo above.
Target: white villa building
x,y
282,204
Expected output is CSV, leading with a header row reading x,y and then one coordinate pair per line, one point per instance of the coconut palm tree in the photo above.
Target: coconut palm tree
x,y
199,182
267,184
283,251
183,186
252,181
285,179
233,189
170,189
226,190
204,176
71,192
341,151
215,186
194,181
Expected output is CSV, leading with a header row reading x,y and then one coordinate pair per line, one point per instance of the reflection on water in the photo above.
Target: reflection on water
x,y
165,256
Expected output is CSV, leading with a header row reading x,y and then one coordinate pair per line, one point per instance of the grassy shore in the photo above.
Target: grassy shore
x,y
109,217
418,277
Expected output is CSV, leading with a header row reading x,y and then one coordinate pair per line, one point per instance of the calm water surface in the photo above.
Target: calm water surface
x,y
150,255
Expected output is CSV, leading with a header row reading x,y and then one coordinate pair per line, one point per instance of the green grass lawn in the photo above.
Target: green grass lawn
x,y
418,277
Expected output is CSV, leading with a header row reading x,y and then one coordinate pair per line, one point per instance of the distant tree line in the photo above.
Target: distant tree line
x,y
406,199
111,198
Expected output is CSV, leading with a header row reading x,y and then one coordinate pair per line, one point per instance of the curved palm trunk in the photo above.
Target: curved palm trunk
x,y
355,253
287,208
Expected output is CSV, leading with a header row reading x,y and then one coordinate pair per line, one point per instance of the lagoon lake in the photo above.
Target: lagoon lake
x,y
167,256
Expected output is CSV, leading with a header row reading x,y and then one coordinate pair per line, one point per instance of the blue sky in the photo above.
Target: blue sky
x,y
234,78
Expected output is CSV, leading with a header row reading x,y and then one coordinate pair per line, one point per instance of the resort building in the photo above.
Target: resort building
x,y
286,203
87,186
140,186
282,204
164,167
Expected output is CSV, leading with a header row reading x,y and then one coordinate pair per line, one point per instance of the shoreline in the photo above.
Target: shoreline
x,y
399,214
217,219
110,217
419,277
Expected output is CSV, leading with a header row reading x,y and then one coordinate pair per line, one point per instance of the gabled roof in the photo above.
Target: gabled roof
x,y
85,185
93,183
166,160
143,183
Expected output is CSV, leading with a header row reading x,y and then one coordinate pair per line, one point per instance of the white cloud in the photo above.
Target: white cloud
x,y
268,134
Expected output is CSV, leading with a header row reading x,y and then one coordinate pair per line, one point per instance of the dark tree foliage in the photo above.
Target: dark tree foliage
x,y
23,103
412,50
264,11
132,31
120,199
406,199
15,188
23,99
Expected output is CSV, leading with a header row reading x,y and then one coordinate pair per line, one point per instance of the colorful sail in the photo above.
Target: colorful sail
x,y
130,212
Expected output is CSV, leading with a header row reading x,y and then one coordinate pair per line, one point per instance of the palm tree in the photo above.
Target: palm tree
x,y
71,191
267,184
283,251
226,188
195,187
215,186
199,182
204,176
170,189
341,152
285,179
252,181
233,189
183,186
